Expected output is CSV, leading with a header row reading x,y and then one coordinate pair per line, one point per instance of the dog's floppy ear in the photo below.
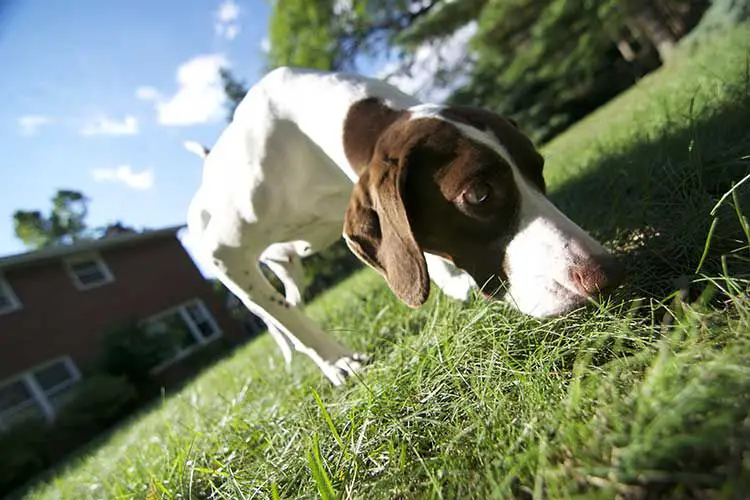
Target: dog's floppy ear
x,y
507,131
365,123
377,230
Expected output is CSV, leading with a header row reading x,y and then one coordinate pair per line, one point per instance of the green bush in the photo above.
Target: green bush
x,y
129,350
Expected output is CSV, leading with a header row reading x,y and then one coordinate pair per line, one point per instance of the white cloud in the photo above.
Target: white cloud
x,y
107,126
199,97
124,174
265,45
30,124
226,20
147,93
228,12
450,55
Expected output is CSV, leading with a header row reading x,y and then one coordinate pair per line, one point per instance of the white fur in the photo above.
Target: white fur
x,y
275,187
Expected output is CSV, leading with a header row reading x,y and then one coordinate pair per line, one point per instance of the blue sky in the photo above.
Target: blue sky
x,y
99,96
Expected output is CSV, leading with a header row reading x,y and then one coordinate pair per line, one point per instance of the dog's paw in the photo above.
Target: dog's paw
x,y
345,367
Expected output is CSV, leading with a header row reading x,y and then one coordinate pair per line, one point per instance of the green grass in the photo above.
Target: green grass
x,y
645,396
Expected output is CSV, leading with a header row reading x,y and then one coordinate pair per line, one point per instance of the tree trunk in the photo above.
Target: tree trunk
x,y
650,21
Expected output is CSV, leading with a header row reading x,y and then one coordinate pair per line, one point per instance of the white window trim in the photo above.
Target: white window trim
x,y
95,257
201,341
39,396
7,290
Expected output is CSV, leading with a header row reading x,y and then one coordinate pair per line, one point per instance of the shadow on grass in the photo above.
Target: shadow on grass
x,y
653,200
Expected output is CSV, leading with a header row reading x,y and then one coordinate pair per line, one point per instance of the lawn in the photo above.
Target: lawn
x,y
645,396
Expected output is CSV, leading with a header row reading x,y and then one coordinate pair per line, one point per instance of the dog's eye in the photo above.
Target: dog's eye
x,y
477,193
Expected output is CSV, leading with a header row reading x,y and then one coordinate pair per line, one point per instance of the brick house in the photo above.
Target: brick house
x,y
56,303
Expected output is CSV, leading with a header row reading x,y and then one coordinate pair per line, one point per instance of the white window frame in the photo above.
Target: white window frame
x,y
200,339
39,396
7,290
89,257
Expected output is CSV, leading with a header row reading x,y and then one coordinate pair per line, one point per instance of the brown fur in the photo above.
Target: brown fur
x,y
518,145
409,198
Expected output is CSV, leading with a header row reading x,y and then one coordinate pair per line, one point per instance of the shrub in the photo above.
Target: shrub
x,y
129,350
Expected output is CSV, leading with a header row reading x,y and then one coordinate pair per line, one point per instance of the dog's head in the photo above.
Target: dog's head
x,y
467,185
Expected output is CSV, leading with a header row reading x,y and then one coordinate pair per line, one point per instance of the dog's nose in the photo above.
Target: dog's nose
x,y
597,275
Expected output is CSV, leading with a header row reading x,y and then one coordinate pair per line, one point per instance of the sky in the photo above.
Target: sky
x,y
99,96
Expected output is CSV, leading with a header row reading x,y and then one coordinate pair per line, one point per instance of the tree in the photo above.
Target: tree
x,y
548,62
234,89
65,224
335,34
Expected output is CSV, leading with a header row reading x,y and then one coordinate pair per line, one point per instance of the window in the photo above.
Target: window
x,y
187,326
8,300
37,393
89,271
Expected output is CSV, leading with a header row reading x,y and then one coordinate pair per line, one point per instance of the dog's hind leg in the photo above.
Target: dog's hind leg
x,y
239,271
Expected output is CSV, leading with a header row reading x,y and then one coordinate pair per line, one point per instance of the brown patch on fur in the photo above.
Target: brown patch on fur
x,y
410,199
518,145
365,122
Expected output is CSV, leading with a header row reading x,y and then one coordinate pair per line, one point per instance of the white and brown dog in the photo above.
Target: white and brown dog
x,y
449,194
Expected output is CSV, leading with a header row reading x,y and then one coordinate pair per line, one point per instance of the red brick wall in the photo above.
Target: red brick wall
x,y
58,319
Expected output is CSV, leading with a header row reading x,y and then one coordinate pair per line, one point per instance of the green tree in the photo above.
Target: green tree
x,y
234,89
65,223
335,34
549,62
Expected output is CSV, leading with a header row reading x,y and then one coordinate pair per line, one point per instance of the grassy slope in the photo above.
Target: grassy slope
x,y
478,401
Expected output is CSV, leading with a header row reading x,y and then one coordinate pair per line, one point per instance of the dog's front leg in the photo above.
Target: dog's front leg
x,y
244,278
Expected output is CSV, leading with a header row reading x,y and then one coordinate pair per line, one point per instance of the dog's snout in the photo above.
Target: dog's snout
x,y
597,275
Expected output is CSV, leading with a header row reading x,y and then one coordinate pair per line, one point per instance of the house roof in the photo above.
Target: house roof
x,y
62,251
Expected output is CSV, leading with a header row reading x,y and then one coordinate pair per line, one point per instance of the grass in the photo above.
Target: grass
x,y
646,396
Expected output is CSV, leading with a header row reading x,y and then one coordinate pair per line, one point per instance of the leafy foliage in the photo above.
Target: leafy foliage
x,y
234,89
65,224
301,34
335,34
547,63
130,350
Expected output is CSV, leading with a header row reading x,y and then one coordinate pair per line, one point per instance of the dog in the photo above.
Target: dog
x,y
424,193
